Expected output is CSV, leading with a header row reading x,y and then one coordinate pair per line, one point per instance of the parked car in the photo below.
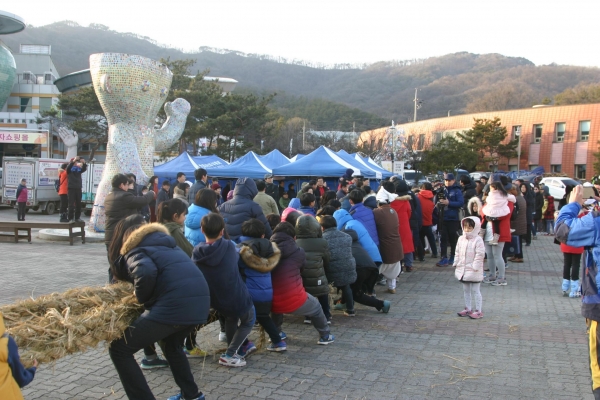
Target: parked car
x,y
414,178
476,176
557,185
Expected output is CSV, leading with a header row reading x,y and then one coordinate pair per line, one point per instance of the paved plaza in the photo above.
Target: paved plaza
x,y
531,343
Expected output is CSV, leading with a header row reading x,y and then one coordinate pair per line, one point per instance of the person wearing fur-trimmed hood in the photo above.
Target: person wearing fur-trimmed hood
x,y
258,257
468,261
176,298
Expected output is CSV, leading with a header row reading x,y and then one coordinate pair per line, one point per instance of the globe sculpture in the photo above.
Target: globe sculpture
x,y
131,89
9,23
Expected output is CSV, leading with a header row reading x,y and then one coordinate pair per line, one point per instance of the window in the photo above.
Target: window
x,y
516,132
1,120
421,142
559,132
537,133
45,104
89,146
532,166
556,168
26,104
584,130
580,171
512,168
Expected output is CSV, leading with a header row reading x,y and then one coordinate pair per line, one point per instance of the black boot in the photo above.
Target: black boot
x,y
64,218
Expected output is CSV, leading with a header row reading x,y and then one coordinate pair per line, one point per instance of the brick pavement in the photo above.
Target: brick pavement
x,y
531,344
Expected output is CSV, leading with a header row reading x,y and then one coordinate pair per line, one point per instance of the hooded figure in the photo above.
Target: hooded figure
x,y
345,221
242,208
402,206
309,237
470,252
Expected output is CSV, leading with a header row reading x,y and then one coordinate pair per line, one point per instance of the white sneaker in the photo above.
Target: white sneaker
x,y
233,361
222,337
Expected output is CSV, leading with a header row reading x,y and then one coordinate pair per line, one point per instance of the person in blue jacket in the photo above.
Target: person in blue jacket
x,y
450,225
241,208
205,202
585,232
217,258
363,214
258,257
345,221
176,298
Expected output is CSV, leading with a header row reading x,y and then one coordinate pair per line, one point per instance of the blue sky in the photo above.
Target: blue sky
x,y
332,31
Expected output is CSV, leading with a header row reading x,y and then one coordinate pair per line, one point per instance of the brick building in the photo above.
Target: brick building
x,y
559,138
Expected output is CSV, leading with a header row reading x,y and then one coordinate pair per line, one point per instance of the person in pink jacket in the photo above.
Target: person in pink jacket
x,y
21,200
468,262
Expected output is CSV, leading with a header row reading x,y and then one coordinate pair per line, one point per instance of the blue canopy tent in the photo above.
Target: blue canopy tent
x,y
297,157
373,165
186,164
274,159
376,173
248,166
321,162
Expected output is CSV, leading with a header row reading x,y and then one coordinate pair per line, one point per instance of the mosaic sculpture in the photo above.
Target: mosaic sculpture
x,y
131,90
8,73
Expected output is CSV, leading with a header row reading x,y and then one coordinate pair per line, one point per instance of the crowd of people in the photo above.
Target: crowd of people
x,y
256,252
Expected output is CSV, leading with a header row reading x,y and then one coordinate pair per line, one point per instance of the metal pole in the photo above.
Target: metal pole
x,y
415,100
303,132
519,155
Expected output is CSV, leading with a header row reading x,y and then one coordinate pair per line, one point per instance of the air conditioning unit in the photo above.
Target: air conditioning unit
x,y
29,77
49,78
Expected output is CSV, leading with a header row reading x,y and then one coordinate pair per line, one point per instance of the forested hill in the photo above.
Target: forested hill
x,y
459,83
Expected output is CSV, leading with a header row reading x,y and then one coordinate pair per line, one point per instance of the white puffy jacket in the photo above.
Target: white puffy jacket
x,y
469,255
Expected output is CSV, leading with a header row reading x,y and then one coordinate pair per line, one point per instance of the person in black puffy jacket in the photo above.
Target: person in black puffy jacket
x,y
309,237
176,298
75,169
241,208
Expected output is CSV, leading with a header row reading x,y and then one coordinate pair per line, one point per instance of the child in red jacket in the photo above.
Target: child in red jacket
x,y
548,211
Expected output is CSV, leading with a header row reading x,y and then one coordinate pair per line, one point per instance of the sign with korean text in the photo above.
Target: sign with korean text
x,y
23,137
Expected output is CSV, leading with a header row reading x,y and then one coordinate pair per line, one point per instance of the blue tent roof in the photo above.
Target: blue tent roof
x,y
321,162
367,163
364,169
187,164
249,166
274,159
297,157
373,165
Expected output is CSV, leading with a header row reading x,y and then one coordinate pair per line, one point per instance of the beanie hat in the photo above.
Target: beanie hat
x,y
348,174
216,186
389,186
401,187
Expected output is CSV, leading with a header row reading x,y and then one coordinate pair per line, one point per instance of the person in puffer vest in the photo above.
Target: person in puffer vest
x,y
468,261
258,257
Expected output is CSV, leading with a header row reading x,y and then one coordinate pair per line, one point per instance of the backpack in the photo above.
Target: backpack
x,y
57,185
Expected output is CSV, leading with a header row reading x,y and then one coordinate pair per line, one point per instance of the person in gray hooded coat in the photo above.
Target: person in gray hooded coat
x,y
342,267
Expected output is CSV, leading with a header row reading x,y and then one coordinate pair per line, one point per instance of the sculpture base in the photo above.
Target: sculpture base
x,y
63,235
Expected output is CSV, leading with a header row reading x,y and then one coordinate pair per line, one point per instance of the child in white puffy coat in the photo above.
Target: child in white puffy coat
x,y
470,252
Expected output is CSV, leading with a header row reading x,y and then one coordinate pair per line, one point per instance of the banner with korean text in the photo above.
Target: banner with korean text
x,y
23,137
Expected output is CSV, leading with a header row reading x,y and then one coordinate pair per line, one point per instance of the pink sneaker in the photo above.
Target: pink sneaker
x,y
464,313
476,314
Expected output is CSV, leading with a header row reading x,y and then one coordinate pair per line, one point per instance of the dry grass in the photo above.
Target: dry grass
x,y
53,326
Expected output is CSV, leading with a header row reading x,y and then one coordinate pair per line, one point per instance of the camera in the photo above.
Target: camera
x,y
440,194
